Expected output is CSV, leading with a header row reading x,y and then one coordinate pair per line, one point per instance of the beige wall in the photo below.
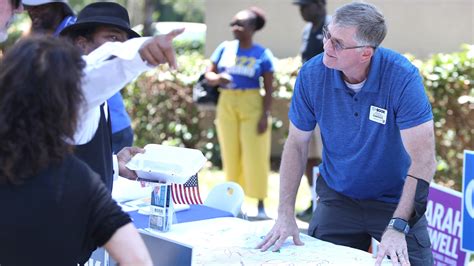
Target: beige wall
x,y
420,27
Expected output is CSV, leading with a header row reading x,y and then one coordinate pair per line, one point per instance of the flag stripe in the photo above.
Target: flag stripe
x,y
199,200
198,196
187,193
192,195
179,192
173,194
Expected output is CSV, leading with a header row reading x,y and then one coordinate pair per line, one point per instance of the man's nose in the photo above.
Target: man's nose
x,y
327,43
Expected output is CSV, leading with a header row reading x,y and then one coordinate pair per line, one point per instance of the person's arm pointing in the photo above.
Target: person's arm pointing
x,y
159,49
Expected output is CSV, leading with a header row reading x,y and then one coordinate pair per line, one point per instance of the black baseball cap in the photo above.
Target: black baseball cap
x,y
307,2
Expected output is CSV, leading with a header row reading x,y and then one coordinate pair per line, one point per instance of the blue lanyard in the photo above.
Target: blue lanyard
x,y
69,20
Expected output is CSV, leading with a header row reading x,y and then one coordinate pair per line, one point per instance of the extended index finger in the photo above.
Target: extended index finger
x,y
170,57
172,34
169,51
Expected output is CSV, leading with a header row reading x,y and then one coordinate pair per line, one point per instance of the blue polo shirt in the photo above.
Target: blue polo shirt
x,y
363,154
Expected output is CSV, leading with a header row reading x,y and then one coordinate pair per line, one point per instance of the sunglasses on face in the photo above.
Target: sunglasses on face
x,y
336,44
238,23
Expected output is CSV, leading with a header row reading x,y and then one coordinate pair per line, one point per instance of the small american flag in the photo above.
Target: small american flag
x,y
187,193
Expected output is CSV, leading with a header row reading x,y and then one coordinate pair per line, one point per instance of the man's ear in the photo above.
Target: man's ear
x,y
367,54
81,43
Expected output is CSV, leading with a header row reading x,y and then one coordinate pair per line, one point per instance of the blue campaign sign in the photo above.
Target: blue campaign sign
x,y
468,202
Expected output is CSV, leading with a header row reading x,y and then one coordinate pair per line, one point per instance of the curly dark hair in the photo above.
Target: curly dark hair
x,y
40,97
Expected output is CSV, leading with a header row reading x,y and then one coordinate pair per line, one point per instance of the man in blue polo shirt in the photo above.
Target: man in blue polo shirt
x,y
377,131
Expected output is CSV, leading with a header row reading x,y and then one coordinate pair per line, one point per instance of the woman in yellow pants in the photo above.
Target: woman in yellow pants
x,y
242,119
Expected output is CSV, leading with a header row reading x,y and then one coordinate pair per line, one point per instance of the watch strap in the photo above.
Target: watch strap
x,y
399,225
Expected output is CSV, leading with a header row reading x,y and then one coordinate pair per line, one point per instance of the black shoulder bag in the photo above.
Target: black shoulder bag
x,y
205,94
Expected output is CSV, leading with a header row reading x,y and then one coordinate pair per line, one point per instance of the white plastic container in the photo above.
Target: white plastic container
x,y
167,164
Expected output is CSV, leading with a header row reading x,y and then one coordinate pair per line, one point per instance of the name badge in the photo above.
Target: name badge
x,y
378,115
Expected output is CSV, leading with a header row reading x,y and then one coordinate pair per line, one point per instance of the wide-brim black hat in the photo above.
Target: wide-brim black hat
x,y
100,14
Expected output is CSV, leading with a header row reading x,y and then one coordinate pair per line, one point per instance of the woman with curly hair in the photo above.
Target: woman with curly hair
x,y
242,115
54,208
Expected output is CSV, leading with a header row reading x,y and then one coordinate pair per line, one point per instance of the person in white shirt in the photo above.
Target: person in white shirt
x,y
126,61
97,24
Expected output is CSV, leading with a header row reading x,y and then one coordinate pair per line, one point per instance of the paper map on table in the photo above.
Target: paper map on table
x,y
231,241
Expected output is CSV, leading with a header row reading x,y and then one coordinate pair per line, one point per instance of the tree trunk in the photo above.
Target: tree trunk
x,y
149,8
135,11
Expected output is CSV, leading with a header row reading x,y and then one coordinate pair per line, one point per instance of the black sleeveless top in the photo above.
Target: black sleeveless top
x,y
97,153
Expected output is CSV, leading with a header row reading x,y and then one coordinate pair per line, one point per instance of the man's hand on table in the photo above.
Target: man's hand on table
x,y
123,157
393,244
159,49
285,226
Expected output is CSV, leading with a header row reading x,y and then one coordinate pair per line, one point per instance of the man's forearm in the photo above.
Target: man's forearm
x,y
419,143
292,168
407,200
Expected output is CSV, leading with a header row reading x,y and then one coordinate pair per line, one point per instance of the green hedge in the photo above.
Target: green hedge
x,y
449,82
162,110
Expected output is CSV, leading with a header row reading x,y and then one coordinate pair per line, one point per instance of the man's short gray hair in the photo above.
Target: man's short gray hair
x,y
368,20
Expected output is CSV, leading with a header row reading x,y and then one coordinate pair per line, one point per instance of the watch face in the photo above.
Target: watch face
x,y
399,225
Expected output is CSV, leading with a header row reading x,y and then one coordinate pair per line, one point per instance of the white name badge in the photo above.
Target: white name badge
x,y
378,115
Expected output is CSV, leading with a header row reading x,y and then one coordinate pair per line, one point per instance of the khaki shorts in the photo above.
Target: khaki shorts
x,y
315,148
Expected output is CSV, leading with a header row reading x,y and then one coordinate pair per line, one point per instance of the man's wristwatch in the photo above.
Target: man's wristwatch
x,y
399,225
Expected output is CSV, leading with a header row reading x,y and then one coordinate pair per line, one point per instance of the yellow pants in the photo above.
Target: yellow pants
x,y
245,153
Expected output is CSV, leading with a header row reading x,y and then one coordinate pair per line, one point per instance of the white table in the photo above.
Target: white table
x,y
231,241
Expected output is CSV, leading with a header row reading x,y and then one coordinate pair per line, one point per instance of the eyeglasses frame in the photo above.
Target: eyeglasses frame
x,y
337,46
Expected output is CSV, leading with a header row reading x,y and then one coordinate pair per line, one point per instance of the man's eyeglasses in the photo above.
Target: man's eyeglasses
x,y
336,44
